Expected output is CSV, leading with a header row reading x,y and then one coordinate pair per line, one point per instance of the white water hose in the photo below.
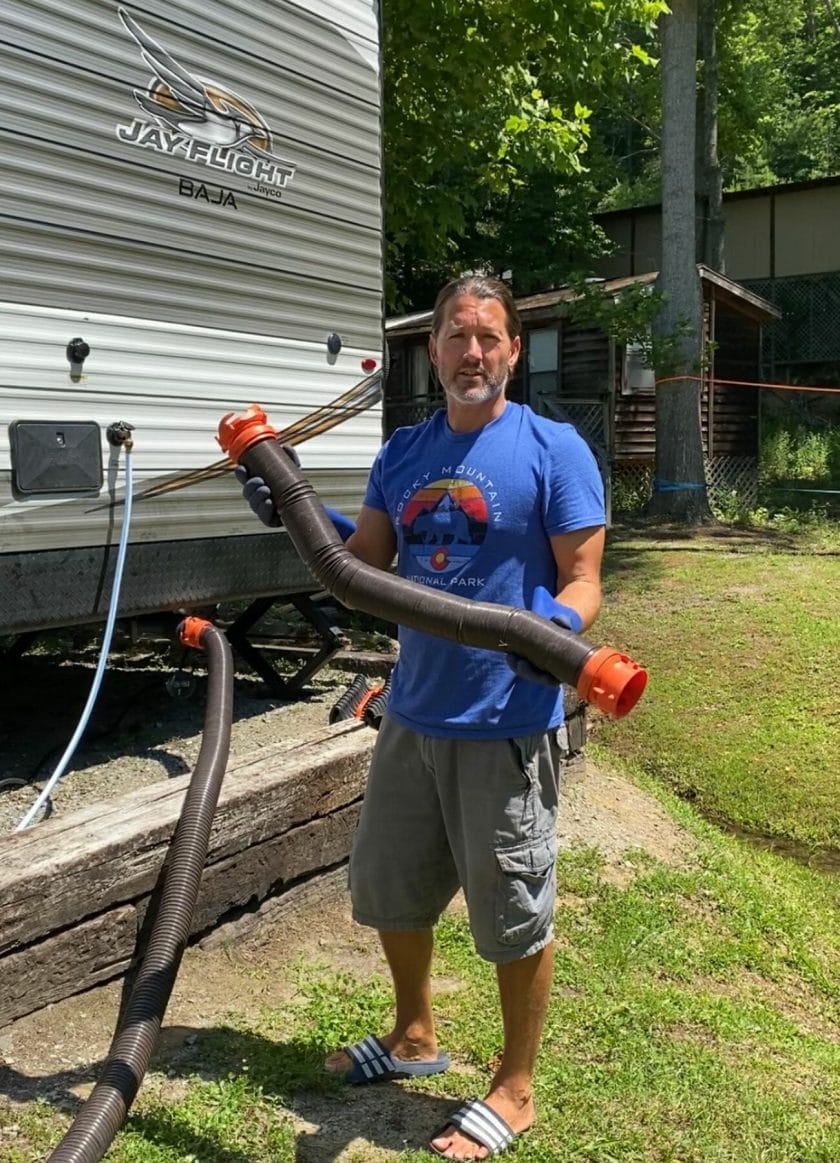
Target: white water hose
x,y
44,796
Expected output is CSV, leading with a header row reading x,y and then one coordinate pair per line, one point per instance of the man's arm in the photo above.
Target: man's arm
x,y
374,541
578,555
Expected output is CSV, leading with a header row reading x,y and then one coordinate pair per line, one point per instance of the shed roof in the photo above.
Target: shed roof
x,y
546,303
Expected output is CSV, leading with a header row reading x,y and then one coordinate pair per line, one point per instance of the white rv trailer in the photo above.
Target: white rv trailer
x,y
190,221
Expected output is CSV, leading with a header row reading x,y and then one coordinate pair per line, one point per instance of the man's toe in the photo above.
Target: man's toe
x,y
338,1063
447,1145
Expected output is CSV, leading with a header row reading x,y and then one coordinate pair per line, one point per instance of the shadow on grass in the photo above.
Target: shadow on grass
x,y
628,566
661,538
636,553
289,1073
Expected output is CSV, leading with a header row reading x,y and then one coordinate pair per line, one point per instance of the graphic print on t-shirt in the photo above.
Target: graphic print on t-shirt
x,y
444,524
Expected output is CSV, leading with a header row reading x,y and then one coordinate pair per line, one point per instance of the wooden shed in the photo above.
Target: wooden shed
x,y
575,372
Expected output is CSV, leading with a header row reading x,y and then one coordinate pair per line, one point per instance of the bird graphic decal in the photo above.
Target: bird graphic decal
x,y
192,105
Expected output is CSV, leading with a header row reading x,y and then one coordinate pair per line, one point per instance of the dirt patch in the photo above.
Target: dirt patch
x,y
617,818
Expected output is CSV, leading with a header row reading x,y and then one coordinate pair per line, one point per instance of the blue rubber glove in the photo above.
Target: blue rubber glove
x,y
547,607
258,495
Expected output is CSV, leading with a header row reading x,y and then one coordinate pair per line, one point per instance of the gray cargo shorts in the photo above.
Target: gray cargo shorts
x,y
478,814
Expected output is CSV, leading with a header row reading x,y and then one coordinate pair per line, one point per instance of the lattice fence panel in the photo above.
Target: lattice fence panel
x,y
589,417
632,484
733,474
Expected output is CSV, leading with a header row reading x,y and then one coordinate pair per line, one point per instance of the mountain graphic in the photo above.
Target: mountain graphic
x,y
446,522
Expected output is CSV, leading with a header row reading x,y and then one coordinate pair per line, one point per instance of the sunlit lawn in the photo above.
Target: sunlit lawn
x,y
741,635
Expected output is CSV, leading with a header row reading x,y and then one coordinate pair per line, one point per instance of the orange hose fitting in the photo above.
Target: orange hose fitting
x,y
238,432
190,631
367,697
611,681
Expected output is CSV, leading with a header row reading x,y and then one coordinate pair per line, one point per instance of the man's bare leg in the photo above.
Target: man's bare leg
x,y
524,989
409,955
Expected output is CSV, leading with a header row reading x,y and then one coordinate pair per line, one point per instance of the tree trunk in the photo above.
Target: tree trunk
x,y
679,488
710,222
833,15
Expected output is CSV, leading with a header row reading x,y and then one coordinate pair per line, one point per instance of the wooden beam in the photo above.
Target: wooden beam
x,y
67,963
64,870
74,891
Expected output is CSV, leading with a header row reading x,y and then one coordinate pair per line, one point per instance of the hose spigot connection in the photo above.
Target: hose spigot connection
x,y
237,433
119,435
191,631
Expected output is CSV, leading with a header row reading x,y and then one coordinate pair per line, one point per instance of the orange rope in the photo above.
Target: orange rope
x,y
745,384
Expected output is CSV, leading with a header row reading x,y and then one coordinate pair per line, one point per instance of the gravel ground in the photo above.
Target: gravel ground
x,y
146,725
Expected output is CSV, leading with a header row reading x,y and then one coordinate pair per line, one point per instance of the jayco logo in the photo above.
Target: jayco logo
x,y
197,120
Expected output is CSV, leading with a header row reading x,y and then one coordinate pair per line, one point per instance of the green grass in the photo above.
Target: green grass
x,y
226,1121
694,1018
741,635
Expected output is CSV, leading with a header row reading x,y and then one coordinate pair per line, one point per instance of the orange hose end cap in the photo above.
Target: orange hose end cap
x,y
190,631
612,682
237,432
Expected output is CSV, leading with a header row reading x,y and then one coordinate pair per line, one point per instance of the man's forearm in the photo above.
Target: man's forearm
x,y
583,595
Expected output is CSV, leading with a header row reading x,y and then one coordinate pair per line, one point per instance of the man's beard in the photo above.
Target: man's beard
x,y
480,393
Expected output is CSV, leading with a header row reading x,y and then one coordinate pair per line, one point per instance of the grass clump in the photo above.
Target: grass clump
x,y
228,1120
693,1017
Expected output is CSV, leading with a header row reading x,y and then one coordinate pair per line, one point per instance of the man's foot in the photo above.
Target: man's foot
x,y
516,1110
415,1052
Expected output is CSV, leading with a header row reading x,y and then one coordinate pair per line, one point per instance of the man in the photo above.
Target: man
x,y
490,501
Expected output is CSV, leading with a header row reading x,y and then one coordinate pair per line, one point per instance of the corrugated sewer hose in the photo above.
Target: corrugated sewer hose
x,y
602,676
101,1117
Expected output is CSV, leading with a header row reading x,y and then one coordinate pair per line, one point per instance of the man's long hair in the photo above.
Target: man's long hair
x,y
480,287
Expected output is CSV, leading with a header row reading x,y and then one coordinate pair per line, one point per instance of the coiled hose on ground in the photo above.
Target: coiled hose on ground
x,y
602,676
99,1120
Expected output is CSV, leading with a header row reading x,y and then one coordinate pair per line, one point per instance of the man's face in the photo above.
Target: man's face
x,y
473,351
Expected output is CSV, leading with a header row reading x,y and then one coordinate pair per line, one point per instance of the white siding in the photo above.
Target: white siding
x,y
90,221
193,304
173,384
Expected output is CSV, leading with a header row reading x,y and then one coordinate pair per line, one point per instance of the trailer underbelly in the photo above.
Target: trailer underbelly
x,y
65,587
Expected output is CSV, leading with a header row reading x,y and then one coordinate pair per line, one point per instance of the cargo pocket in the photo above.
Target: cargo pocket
x,y
526,889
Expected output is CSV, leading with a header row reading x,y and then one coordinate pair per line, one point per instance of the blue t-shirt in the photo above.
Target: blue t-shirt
x,y
473,513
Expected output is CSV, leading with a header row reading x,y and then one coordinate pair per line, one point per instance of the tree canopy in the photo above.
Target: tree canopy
x,y
779,104
508,125
488,107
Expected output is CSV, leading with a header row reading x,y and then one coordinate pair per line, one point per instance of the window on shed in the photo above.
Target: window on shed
x,y
420,370
543,361
637,375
